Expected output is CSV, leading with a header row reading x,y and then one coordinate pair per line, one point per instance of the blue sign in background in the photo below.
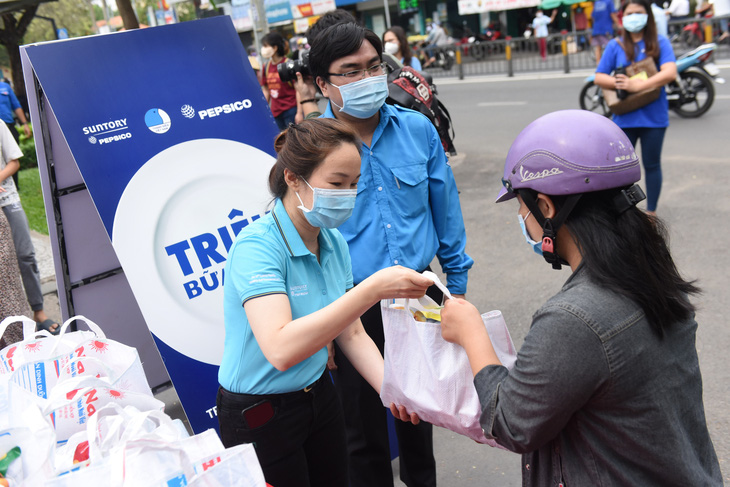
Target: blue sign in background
x,y
123,98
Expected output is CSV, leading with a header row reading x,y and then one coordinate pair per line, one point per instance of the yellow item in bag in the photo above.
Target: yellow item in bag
x,y
641,75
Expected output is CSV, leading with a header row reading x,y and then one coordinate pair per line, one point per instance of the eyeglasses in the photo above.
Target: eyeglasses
x,y
374,70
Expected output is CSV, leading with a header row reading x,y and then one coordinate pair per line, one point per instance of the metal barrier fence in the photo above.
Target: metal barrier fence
x,y
564,51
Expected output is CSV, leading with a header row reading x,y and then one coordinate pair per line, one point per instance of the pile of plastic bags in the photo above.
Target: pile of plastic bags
x,y
76,409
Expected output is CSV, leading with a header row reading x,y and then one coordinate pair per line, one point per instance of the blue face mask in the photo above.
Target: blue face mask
x,y
635,22
330,207
536,246
362,99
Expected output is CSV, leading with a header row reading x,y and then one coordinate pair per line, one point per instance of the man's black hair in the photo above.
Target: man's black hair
x,y
338,41
336,16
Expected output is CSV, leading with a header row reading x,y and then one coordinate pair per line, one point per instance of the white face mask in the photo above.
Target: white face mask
x,y
392,48
267,52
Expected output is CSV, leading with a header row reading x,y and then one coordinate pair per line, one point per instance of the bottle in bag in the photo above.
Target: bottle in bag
x,y
621,94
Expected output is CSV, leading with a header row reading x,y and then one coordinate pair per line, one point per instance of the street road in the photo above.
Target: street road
x,y
508,276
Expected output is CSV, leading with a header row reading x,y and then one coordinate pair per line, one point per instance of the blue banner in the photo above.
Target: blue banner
x,y
277,11
174,140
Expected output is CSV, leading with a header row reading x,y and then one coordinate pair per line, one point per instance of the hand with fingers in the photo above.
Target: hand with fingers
x,y
398,282
401,413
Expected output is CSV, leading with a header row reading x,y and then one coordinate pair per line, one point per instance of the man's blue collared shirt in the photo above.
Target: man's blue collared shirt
x,y
8,103
407,209
269,257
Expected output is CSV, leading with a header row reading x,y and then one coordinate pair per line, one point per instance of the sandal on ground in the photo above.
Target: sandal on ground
x,y
48,326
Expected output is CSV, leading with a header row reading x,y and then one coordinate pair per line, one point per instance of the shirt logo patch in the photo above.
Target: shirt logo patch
x,y
259,278
300,290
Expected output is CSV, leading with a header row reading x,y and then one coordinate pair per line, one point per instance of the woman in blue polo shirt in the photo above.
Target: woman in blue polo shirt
x,y
650,122
285,301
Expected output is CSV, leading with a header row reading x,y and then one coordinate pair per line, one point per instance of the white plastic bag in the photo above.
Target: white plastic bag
x,y
72,402
430,376
237,466
37,364
136,463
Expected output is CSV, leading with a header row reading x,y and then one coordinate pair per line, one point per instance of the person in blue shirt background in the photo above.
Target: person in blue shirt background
x,y
407,213
395,43
604,18
648,123
285,300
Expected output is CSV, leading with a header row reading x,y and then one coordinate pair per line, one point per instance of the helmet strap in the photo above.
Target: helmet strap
x,y
550,226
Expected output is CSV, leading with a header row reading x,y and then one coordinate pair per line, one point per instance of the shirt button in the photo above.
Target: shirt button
x,y
395,261
380,188
324,292
371,153
527,466
388,225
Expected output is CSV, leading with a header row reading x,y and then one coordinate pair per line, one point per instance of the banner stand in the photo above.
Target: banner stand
x,y
149,170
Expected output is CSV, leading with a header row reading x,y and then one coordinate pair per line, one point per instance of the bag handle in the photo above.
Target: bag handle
x,y
437,282
92,326
29,326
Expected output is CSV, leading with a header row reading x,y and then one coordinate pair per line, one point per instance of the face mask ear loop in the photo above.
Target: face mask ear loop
x,y
332,101
550,226
301,203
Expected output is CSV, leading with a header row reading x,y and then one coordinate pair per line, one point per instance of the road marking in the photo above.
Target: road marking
x,y
722,97
501,103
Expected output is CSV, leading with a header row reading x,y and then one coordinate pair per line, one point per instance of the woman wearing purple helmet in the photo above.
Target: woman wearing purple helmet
x,y
606,389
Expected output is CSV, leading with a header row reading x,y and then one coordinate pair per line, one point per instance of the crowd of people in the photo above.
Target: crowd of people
x,y
352,224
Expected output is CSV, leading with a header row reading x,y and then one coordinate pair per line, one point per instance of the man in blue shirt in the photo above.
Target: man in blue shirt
x,y
604,17
407,212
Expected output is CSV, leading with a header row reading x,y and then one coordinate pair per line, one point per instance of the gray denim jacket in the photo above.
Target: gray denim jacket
x,y
597,398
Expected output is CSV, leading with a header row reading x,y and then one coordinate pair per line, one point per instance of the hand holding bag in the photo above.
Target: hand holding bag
x,y
646,68
430,376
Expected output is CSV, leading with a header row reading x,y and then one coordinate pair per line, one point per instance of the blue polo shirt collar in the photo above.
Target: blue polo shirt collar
x,y
292,239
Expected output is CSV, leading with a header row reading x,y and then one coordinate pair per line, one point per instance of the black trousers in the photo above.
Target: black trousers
x,y
302,444
366,424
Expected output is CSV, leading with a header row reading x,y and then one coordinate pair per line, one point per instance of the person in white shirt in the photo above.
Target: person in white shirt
x,y
539,25
436,38
660,19
678,9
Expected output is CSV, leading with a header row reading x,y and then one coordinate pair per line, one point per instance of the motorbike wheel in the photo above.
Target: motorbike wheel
x,y
448,59
698,97
591,98
691,39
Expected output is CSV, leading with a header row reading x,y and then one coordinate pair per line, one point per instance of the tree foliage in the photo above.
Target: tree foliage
x,y
73,15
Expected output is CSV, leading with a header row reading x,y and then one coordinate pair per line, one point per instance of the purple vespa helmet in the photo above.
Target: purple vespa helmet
x,y
569,152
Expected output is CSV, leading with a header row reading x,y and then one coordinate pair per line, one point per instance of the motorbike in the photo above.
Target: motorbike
x,y
445,57
689,96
